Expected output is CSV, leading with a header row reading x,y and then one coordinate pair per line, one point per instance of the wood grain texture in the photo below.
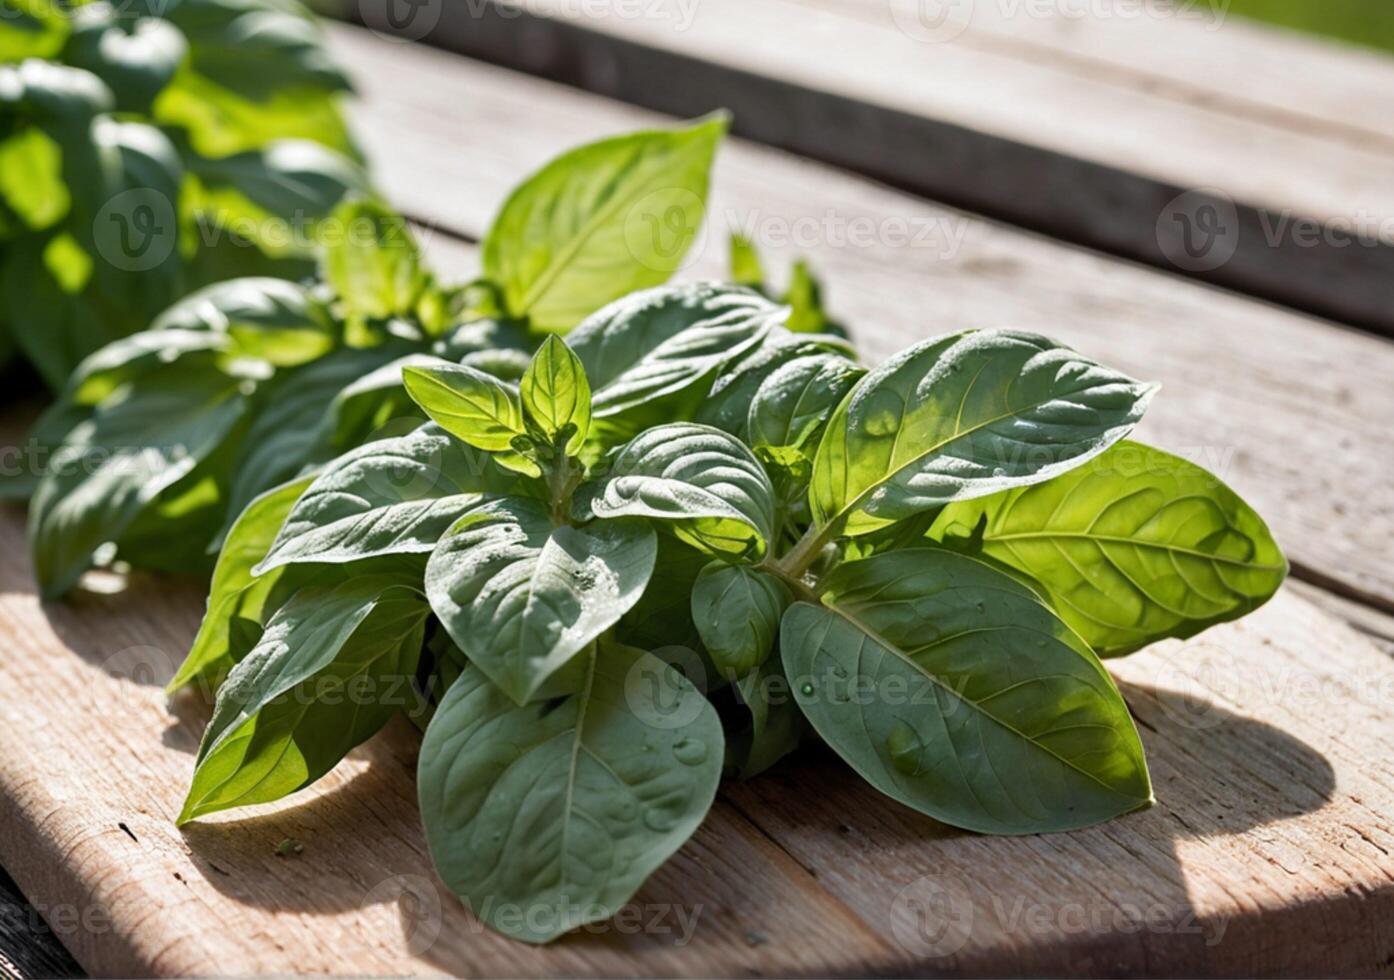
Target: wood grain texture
x,y
1286,408
1268,852
1019,117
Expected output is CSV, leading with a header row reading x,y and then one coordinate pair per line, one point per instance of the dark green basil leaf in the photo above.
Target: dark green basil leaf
x,y
600,222
777,725
952,688
137,444
391,497
737,610
704,483
1134,546
546,817
965,416
523,597
333,665
652,356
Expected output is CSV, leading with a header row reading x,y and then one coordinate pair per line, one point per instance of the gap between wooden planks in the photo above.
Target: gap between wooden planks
x,y
1269,850
1021,117
1288,409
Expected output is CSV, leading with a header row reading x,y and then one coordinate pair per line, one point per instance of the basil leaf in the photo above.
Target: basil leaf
x,y
600,222
31,29
713,492
777,725
543,818
290,419
794,403
1133,547
136,445
276,321
965,416
662,618
391,497
727,406
331,668
556,395
373,261
952,688
737,610
652,357
277,197
746,268
136,56
522,597
246,543
31,178
476,408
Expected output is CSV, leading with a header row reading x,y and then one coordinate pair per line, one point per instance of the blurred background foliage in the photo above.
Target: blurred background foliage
x,y
1368,22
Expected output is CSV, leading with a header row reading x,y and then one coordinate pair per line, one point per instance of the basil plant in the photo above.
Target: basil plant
x,y
159,440
921,565
150,147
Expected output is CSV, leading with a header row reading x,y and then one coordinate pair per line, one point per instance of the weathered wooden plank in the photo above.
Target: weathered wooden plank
x,y
1010,127
1287,408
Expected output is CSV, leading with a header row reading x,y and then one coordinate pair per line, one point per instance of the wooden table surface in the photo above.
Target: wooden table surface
x,y
1270,741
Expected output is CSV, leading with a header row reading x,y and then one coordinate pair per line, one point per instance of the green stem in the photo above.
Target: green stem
x,y
805,552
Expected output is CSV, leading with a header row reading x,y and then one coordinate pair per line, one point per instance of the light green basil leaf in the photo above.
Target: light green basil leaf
x,y
556,395
31,178
373,261
952,688
652,356
333,665
805,299
522,597
31,29
391,497
703,482
746,269
600,222
137,444
271,319
965,416
545,817
737,610
475,407
1132,547
245,545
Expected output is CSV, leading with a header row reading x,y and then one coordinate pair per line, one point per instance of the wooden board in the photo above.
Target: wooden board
x,y
1269,850
1287,408
1049,120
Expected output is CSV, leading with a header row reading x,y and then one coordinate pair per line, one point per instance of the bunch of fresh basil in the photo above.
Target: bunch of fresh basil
x,y
159,440
920,565
150,147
